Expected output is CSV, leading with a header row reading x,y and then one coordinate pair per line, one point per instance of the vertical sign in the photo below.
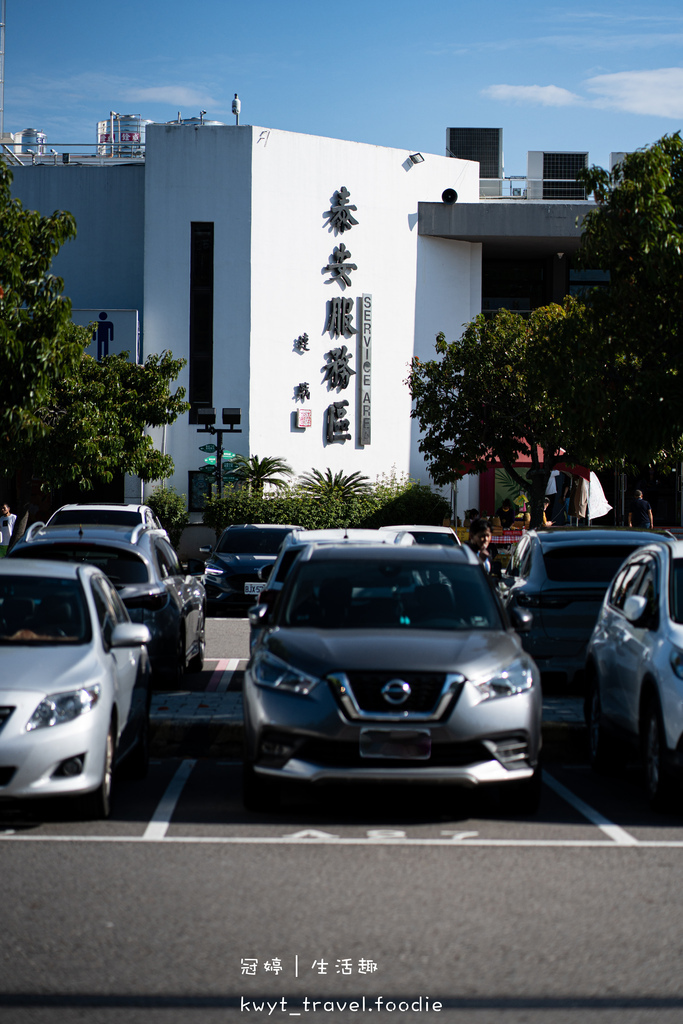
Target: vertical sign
x,y
365,374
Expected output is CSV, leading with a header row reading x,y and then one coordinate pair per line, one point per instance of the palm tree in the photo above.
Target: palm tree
x,y
254,473
341,485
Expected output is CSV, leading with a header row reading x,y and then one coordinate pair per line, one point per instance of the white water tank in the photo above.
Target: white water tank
x,y
122,135
29,140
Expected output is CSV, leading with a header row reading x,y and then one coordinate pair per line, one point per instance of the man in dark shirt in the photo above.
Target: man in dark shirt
x,y
640,512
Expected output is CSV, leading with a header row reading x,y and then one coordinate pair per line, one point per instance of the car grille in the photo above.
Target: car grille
x,y
333,754
231,583
5,712
431,693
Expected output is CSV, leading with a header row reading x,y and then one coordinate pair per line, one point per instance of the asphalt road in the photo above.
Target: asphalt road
x,y
185,908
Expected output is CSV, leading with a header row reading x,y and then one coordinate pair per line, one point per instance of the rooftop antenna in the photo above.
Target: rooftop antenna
x,y
2,68
236,107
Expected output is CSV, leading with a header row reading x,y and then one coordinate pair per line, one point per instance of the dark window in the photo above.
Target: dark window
x,y
375,594
120,565
109,517
201,316
252,542
587,563
42,610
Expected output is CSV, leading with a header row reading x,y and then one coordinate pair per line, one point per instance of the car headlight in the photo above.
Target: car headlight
x,y
269,671
211,570
516,678
677,663
63,707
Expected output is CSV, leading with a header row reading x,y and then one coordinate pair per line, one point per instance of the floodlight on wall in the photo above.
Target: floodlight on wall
x,y
449,196
206,416
232,417
417,158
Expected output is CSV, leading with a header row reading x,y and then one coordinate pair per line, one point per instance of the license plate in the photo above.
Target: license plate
x,y
390,743
254,588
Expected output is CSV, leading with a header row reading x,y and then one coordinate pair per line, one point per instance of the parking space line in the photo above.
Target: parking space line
x,y
161,819
222,674
615,832
567,844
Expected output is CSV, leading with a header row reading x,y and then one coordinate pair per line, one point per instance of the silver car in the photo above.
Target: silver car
x,y
392,664
634,668
144,568
561,576
74,685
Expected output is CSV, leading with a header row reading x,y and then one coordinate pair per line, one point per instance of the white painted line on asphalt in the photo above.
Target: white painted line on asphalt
x,y
160,820
217,673
615,832
228,673
608,844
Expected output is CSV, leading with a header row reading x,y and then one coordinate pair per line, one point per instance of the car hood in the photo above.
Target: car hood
x,y
47,668
474,654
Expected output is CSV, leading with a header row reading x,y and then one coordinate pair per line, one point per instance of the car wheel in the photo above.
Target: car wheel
x,y
97,805
136,765
600,743
658,784
523,797
259,793
197,662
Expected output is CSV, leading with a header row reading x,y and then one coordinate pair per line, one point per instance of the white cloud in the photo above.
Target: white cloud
x,y
543,95
657,93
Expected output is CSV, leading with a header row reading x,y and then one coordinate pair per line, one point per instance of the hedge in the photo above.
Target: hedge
x,y
414,504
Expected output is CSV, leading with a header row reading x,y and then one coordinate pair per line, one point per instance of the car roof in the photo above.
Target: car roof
x,y
93,534
420,526
44,568
564,536
100,506
259,526
339,535
419,554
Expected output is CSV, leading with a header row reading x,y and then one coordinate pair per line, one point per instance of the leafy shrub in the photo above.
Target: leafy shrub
x,y
170,508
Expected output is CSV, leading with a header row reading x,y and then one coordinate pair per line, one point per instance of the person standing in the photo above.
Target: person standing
x,y
7,521
640,512
480,538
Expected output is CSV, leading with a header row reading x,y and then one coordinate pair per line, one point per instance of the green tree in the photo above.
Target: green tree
x,y
503,390
254,473
35,347
94,420
335,485
636,233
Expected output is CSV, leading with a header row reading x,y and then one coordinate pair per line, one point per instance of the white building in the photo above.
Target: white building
x,y
270,260
226,241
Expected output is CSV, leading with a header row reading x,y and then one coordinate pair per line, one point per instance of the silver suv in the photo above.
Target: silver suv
x,y
145,570
104,515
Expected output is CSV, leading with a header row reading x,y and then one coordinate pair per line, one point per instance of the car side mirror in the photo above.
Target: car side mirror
x,y
259,615
635,608
129,634
195,566
205,549
522,619
264,572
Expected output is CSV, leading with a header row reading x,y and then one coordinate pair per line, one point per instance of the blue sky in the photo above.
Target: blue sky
x,y
602,77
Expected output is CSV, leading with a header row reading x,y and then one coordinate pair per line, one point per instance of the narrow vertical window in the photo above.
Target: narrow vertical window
x,y
201,317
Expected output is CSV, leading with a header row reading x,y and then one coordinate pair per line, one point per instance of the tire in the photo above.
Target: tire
x,y
658,784
258,793
96,806
600,743
197,662
523,797
136,765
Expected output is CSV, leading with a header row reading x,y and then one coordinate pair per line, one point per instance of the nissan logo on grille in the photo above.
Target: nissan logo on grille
x,y
396,691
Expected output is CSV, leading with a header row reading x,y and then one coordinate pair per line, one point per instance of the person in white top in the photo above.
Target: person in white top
x,y
7,521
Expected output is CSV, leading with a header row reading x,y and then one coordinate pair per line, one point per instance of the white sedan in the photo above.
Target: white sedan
x,y
74,685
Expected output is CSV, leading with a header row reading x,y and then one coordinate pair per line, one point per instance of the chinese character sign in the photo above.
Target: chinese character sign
x,y
337,371
339,216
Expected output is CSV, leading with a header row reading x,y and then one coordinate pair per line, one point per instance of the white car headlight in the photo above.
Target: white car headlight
x,y
516,678
269,671
63,707
212,571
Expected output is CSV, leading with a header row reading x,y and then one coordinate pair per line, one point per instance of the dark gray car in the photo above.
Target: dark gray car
x,y
383,663
561,576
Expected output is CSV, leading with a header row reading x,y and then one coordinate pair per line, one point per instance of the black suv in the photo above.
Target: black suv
x,y
231,576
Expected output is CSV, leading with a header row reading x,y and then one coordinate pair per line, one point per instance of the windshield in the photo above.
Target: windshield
x,y
38,610
121,566
251,542
371,594
101,517
585,563
430,537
